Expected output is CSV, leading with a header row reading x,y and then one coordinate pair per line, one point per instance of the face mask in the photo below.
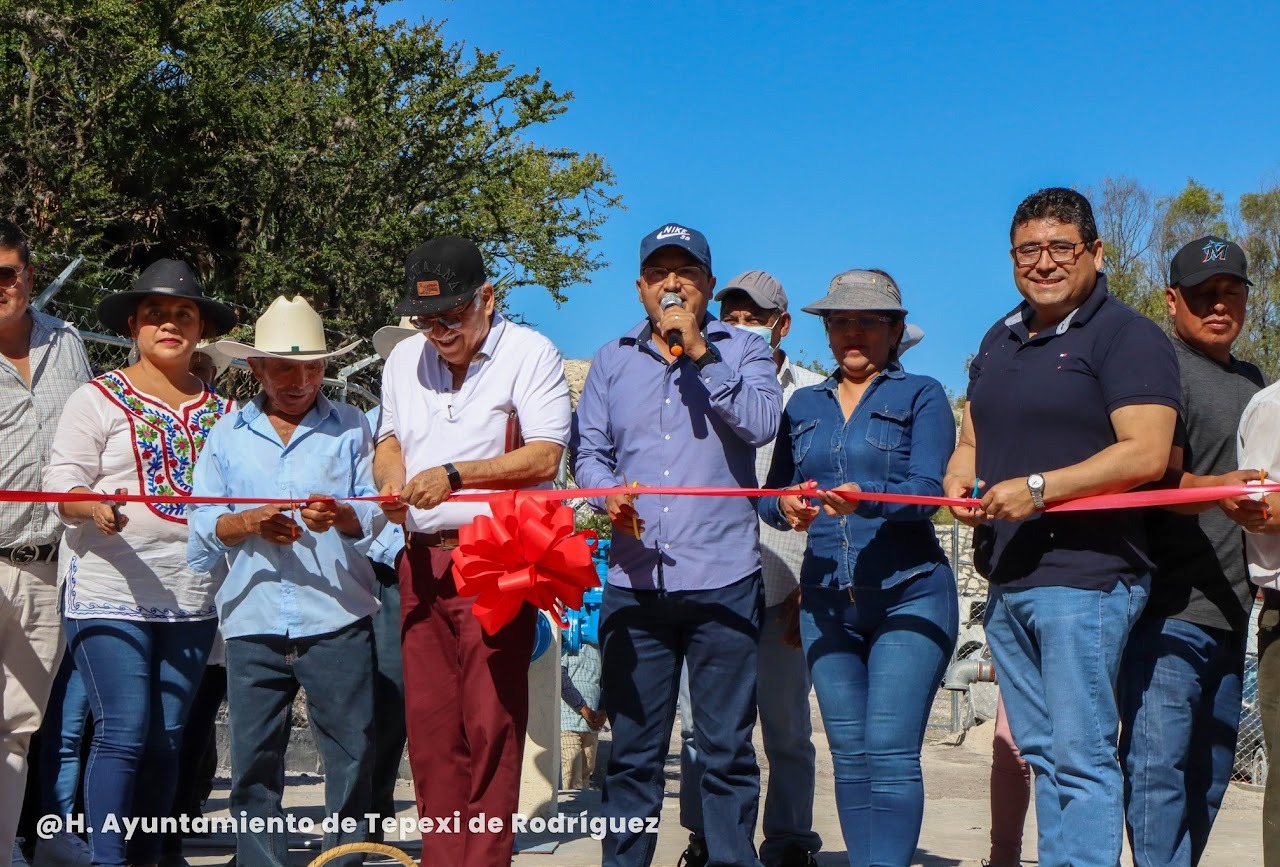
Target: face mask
x,y
763,330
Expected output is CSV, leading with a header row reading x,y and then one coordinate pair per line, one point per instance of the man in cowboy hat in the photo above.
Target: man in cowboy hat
x,y
298,598
451,397
42,361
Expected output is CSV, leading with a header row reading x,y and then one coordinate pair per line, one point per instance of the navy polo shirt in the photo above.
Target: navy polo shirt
x,y
1044,403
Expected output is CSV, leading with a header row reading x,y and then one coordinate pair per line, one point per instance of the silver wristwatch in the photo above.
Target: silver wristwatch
x,y
1035,484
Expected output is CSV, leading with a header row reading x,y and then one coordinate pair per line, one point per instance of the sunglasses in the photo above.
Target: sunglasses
x,y
450,320
9,275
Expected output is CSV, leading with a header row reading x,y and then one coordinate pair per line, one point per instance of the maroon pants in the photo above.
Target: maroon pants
x,y
466,703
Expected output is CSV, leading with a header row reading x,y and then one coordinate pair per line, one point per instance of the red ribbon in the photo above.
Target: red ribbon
x,y
527,552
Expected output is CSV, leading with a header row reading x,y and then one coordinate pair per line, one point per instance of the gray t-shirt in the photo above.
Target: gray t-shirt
x,y
1200,574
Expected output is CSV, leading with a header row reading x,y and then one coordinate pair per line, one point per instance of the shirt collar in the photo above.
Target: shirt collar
x,y
893,371
256,408
786,373
497,326
712,329
1020,317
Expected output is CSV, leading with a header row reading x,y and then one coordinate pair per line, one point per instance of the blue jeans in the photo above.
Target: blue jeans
x,y
876,657
140,677
263,676
646,635
1058,651
782,697
1179,691
61,735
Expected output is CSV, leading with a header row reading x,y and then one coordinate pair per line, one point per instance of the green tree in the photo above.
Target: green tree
x,y
1260,229
301,147
1124,208
1192,213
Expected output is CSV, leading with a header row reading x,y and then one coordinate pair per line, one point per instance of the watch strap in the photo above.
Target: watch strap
x,y
711,356
455,477
1037,494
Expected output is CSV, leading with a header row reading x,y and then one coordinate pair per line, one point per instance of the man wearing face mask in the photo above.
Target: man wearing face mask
x,y
755,302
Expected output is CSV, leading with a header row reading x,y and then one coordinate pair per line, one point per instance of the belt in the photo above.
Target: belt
x,y
444,539
20,555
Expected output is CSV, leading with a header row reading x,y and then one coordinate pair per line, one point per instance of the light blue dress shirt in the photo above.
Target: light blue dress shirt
x,y
322,582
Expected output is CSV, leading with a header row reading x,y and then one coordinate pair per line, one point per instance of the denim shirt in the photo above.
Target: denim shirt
x,y
897,440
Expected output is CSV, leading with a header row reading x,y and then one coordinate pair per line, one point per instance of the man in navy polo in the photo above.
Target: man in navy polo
x,y
684,572
1071,394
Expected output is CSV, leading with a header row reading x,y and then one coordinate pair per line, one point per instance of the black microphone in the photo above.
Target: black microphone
x,y
673,338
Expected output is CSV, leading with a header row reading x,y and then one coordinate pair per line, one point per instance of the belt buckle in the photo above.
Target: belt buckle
x,y
20,555
448,543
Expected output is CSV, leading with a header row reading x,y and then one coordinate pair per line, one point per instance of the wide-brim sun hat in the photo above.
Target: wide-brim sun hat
x,y
290,329
170,277
221,361
388,337
859,290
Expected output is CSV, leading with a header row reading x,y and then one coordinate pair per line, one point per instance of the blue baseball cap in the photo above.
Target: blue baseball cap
x,y
691,241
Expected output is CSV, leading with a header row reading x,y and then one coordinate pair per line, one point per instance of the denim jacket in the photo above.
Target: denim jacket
x,y
898,440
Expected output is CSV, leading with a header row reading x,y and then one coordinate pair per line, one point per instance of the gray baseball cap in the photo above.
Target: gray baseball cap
x,y
761,287
859,290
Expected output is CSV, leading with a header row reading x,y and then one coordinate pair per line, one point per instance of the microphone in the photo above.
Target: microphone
x,y
673,338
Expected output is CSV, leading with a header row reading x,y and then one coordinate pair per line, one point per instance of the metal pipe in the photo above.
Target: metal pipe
x,y
52,289
964,672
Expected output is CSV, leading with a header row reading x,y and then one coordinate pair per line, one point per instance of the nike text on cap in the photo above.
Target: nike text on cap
x,y
691,241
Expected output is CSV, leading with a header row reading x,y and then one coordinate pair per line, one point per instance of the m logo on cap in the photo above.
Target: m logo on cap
x,y
1215,250
428,287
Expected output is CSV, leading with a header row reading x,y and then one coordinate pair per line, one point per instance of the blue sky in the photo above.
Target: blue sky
x,y
808,138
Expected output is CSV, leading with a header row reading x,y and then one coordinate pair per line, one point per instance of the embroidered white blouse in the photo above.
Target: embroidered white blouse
x,y
112,436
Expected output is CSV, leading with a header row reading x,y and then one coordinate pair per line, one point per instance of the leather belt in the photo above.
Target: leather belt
x,y
20,555
444,539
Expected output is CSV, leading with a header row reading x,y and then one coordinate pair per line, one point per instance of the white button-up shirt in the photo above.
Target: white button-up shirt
x,y
1258,448
516,370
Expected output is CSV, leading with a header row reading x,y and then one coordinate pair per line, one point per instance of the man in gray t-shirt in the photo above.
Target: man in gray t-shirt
x,y
1180,681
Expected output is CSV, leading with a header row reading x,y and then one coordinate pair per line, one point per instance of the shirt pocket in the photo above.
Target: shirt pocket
x,y
802,435
887,427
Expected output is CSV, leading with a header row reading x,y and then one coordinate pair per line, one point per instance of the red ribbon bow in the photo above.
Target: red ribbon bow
x,y
527,552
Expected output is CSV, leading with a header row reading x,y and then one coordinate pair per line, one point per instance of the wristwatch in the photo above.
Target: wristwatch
x,y
1035,484
711,356
455,477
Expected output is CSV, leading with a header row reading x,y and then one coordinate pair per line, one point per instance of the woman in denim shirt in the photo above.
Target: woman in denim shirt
x,y
878,614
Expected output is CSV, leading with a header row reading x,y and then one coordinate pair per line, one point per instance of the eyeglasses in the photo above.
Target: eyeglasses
x,y
1061,252
862,322
450,320
9,276
654,275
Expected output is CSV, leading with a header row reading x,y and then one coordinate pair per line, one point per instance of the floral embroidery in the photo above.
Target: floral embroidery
x,y
165,444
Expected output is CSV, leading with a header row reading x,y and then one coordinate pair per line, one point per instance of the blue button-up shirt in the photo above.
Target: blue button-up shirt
x,y
323,581
387,544
642,419
897,440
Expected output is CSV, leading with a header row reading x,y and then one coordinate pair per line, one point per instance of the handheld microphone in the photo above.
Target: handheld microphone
x,y
674,341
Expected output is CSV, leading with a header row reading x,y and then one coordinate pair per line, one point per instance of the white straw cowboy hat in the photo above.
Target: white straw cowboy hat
x,y
387,337
289,329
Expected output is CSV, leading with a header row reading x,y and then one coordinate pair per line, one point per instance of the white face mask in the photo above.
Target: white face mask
x,y
764,331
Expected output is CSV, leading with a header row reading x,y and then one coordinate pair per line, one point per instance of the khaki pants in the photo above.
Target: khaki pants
x,y
577,759
31,644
